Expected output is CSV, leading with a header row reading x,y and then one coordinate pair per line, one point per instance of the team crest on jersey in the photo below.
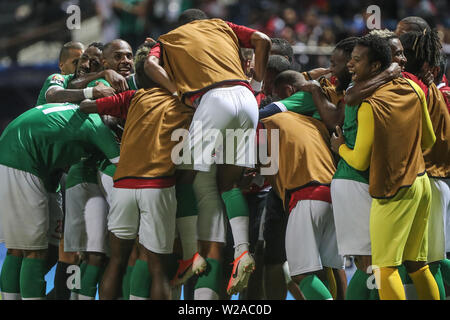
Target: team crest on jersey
x,y
57,79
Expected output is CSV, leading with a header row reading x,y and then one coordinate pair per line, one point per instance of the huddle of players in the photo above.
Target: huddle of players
x,y
380,192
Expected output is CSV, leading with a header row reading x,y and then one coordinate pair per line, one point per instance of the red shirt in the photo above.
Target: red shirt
x,y
445,89
412,77
316,192
244,36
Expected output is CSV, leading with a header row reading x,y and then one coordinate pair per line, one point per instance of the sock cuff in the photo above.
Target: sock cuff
x,y
235,203
212,277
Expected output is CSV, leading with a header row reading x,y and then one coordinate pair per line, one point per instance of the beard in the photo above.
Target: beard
x,y
343,81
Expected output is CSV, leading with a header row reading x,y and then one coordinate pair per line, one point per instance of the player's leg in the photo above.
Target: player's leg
x,y
95,213
123,224
274,234
305,225
157,233
210,233
140,279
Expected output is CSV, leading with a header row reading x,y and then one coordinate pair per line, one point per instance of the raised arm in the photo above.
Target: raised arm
x,y
116,106
332,115
57,94
157,73
117,81
262,44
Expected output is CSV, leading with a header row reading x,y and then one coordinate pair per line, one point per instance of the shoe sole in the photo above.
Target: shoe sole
x,y
242,283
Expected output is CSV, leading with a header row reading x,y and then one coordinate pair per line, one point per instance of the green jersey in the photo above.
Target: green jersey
x,y
300,102
350,129
55,79
131,81
93,83
83,171
47,139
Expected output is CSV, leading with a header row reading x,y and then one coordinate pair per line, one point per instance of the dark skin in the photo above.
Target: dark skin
x,y
90,60
362,69
93,67
119,57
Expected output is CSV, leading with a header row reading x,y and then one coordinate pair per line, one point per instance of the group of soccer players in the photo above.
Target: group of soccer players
x,y
139,169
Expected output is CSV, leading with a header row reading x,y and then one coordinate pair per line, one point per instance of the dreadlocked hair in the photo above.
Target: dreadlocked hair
x,y
347,45
421,47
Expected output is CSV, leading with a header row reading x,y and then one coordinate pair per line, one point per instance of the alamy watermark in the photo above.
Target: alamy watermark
x,y
241,147
374,19
74,20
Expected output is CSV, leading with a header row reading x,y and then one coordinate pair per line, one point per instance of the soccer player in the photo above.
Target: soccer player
x,y
304,189
37,147
401,196
423,53
56,86
202,59
143,200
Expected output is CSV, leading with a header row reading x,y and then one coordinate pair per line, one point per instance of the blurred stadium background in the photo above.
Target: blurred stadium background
x,y
32,31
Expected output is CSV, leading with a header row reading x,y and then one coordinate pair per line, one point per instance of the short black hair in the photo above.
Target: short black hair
x,y
421,47
347,45
190,15
99,45
291,77
282,47
64,52
108,45
277,64
379,50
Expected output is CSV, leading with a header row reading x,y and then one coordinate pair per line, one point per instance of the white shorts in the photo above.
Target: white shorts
x,y
440,202
351,209
151,213
25,211
311,238
222,114
106,184
85,226
211,222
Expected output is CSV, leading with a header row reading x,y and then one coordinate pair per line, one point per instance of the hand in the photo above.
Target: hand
x,y
100,91
318,72
427,78
394,71
337,139
117,81
149,40
309,86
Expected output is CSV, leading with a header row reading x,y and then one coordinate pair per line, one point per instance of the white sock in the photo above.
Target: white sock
x,y
11,296
239,228
205,294
187,229
73,296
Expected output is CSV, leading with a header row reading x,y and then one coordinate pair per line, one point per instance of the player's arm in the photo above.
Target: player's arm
x,y
332,115
116,105
157,73
316,73
359,156
117,81
361,90
56,94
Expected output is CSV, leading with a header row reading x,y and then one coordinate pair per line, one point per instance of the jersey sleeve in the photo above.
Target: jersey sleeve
x,y
93,83
300,102
359,156
155,51
116,105
243,34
